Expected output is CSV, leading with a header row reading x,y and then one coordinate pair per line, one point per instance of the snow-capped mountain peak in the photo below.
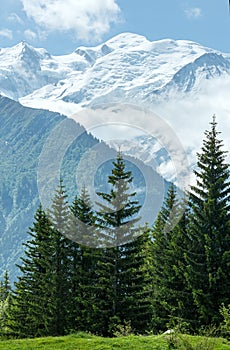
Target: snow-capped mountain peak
x,y
127,68
124,40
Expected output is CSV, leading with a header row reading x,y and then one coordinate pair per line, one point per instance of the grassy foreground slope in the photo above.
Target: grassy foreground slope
x,y
88,342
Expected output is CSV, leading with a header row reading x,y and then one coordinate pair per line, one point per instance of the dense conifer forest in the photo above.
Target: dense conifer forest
x,y
145,279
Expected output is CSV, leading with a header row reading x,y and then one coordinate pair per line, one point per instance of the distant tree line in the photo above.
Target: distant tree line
x,y
145,279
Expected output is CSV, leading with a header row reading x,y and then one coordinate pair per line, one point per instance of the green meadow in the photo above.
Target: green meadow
x,y
84,341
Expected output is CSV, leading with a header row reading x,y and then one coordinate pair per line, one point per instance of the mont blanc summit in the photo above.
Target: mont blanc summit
x,y
126,68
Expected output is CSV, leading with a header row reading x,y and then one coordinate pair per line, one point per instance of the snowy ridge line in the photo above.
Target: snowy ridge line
x,y
125,67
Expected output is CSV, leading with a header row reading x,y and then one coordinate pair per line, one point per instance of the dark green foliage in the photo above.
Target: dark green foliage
x,y
31,311
5,287
191,258
183,309
5,301
82,262
225,324
101,272
60,217
208,255
163,261
172,301
135,285
117,216
40,299
83,218
121,291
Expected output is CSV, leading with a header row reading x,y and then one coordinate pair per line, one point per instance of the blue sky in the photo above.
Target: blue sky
x,y
62,25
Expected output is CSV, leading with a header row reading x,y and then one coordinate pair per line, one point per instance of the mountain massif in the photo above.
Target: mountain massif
x,y
27,168
127,68
38,90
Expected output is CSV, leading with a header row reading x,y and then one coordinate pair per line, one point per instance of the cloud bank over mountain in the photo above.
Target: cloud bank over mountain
x,y
184,83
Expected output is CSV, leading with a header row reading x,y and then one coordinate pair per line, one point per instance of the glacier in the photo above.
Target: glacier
x,y
182,81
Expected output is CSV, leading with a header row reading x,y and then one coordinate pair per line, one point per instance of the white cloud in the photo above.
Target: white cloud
x,y
193,13
6,33
30,35
190,115
88,19
13,17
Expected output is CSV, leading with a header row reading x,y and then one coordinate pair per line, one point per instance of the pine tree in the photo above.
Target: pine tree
x,y
59,215
82,265
164,276
120,287
208,255
30,312
83,220
183,309
172,300
117,214
5,299
135,283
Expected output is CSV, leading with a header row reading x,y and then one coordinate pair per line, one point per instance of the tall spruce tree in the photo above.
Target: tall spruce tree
x,y
120,289
183,309
82,266
135,283
163,261
59,215
208,252
31,313
118,211
172,300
